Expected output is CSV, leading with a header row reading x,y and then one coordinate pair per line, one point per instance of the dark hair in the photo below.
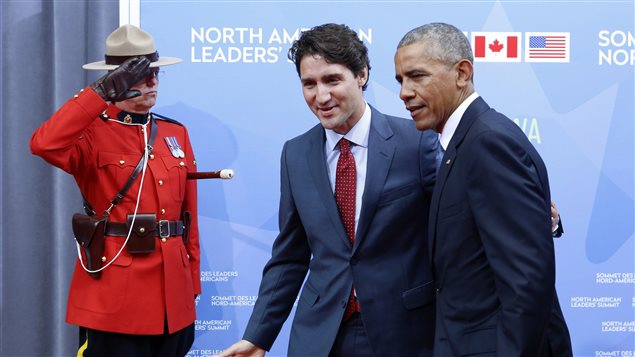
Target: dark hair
x,y
336,44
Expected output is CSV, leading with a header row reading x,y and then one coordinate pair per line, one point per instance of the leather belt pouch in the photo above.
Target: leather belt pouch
x,y
89,233
142,239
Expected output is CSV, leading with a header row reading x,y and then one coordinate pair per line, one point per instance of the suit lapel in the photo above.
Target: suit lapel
x,y
380,155
474,110
319,172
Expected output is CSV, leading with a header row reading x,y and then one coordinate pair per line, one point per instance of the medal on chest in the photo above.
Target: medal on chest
x,y
175,148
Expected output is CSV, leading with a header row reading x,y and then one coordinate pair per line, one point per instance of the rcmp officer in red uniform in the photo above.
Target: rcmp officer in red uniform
x,y
139,304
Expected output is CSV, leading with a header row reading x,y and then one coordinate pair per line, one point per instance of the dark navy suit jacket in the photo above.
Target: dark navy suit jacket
x,y
491,244
388,263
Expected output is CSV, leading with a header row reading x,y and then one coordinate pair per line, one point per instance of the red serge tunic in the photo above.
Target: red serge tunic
x,y
136,293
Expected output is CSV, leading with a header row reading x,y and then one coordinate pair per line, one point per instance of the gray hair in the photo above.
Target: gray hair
x,y
449,44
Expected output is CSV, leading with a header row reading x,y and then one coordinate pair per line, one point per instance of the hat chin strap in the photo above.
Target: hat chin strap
x,y
117,60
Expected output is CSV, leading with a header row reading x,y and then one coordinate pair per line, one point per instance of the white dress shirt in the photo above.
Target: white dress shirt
x,y
358,135
453,121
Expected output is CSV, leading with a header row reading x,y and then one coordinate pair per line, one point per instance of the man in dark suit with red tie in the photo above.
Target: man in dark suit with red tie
x,y
491,245
353,216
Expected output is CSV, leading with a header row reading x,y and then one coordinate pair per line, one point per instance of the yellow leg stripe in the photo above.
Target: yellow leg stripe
x,y
80,352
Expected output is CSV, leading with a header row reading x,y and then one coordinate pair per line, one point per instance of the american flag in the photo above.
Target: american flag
x,y
548,46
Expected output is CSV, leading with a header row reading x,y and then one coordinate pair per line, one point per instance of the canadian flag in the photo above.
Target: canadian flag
x,y
496,46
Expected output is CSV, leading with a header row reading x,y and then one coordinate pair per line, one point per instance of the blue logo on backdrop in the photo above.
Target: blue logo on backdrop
x,y
569,85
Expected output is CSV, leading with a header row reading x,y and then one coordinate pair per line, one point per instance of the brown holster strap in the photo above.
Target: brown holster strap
x,y
164,229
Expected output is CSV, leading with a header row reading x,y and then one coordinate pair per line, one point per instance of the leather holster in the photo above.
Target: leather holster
x,y
89,233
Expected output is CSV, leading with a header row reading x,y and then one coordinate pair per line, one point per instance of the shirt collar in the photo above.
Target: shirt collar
x,y
453,121
115,114
357,135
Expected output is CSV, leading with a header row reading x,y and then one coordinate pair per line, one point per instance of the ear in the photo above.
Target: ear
x,y
464,70
362,77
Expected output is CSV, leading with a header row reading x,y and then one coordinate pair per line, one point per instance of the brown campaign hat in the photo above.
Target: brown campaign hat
x,y
130,41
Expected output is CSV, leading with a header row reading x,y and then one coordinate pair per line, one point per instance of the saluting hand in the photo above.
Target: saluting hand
x,y
115,85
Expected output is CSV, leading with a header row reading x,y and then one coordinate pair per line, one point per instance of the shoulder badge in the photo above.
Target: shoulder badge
x,y
164,118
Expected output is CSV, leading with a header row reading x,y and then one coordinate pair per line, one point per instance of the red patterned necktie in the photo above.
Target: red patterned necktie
x,y
345,193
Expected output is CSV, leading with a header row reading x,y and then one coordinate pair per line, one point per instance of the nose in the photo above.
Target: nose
x,y
323,94
152,78
405,92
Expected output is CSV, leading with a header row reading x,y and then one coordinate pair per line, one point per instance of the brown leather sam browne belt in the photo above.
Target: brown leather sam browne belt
x,y
162,228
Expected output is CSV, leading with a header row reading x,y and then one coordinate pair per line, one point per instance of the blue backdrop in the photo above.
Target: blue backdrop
x,y
241,99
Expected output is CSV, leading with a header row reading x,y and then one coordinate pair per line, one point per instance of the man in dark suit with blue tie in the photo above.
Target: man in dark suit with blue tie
x,y
353,216
490,246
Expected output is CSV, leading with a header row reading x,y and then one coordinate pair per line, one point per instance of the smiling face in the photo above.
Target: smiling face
x,y
430,89
332,92
149,89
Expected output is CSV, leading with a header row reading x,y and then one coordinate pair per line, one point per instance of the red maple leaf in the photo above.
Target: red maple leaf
x,y
496,46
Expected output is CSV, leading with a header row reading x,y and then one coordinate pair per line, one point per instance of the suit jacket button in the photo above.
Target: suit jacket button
x,y
438,291
353,261
343,304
